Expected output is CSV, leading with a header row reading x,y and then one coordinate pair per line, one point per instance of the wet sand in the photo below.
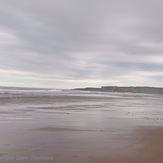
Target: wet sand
x,y
70,128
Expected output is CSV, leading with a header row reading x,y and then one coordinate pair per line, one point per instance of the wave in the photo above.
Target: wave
x,y
22,90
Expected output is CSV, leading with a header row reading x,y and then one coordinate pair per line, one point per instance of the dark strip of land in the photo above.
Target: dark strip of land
x,y
148,90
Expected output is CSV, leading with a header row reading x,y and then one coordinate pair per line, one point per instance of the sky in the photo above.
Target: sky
x,y
81,43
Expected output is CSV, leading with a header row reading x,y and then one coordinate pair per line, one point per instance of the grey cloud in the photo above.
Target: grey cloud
x,y
81,40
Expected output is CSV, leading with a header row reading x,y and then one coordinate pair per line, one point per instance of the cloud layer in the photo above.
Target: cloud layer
x,y
78,43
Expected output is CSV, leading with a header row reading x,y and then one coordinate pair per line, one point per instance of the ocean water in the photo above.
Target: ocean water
x,y
24,90
106,107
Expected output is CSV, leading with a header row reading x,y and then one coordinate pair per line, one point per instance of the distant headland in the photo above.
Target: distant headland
x,y
132,89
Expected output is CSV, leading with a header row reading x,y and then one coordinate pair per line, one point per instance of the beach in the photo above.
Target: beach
x,y
69,126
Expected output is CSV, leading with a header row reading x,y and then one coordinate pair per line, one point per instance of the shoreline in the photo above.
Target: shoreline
x,y
82,128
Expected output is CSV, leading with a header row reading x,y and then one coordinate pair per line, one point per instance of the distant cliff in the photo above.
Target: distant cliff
x,y
150,90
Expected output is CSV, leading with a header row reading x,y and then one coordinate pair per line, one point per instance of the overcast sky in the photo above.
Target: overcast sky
x,y
79,43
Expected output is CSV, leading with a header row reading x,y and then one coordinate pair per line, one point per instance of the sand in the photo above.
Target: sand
x,y
70,128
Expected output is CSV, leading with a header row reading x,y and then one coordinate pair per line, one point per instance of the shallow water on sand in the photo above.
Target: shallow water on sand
x,y
82,108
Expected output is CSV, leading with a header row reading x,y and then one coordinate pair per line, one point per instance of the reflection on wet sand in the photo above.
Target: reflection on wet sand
x,y
89,128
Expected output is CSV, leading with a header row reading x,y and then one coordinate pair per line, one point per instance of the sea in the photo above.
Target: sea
x,y
130,108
